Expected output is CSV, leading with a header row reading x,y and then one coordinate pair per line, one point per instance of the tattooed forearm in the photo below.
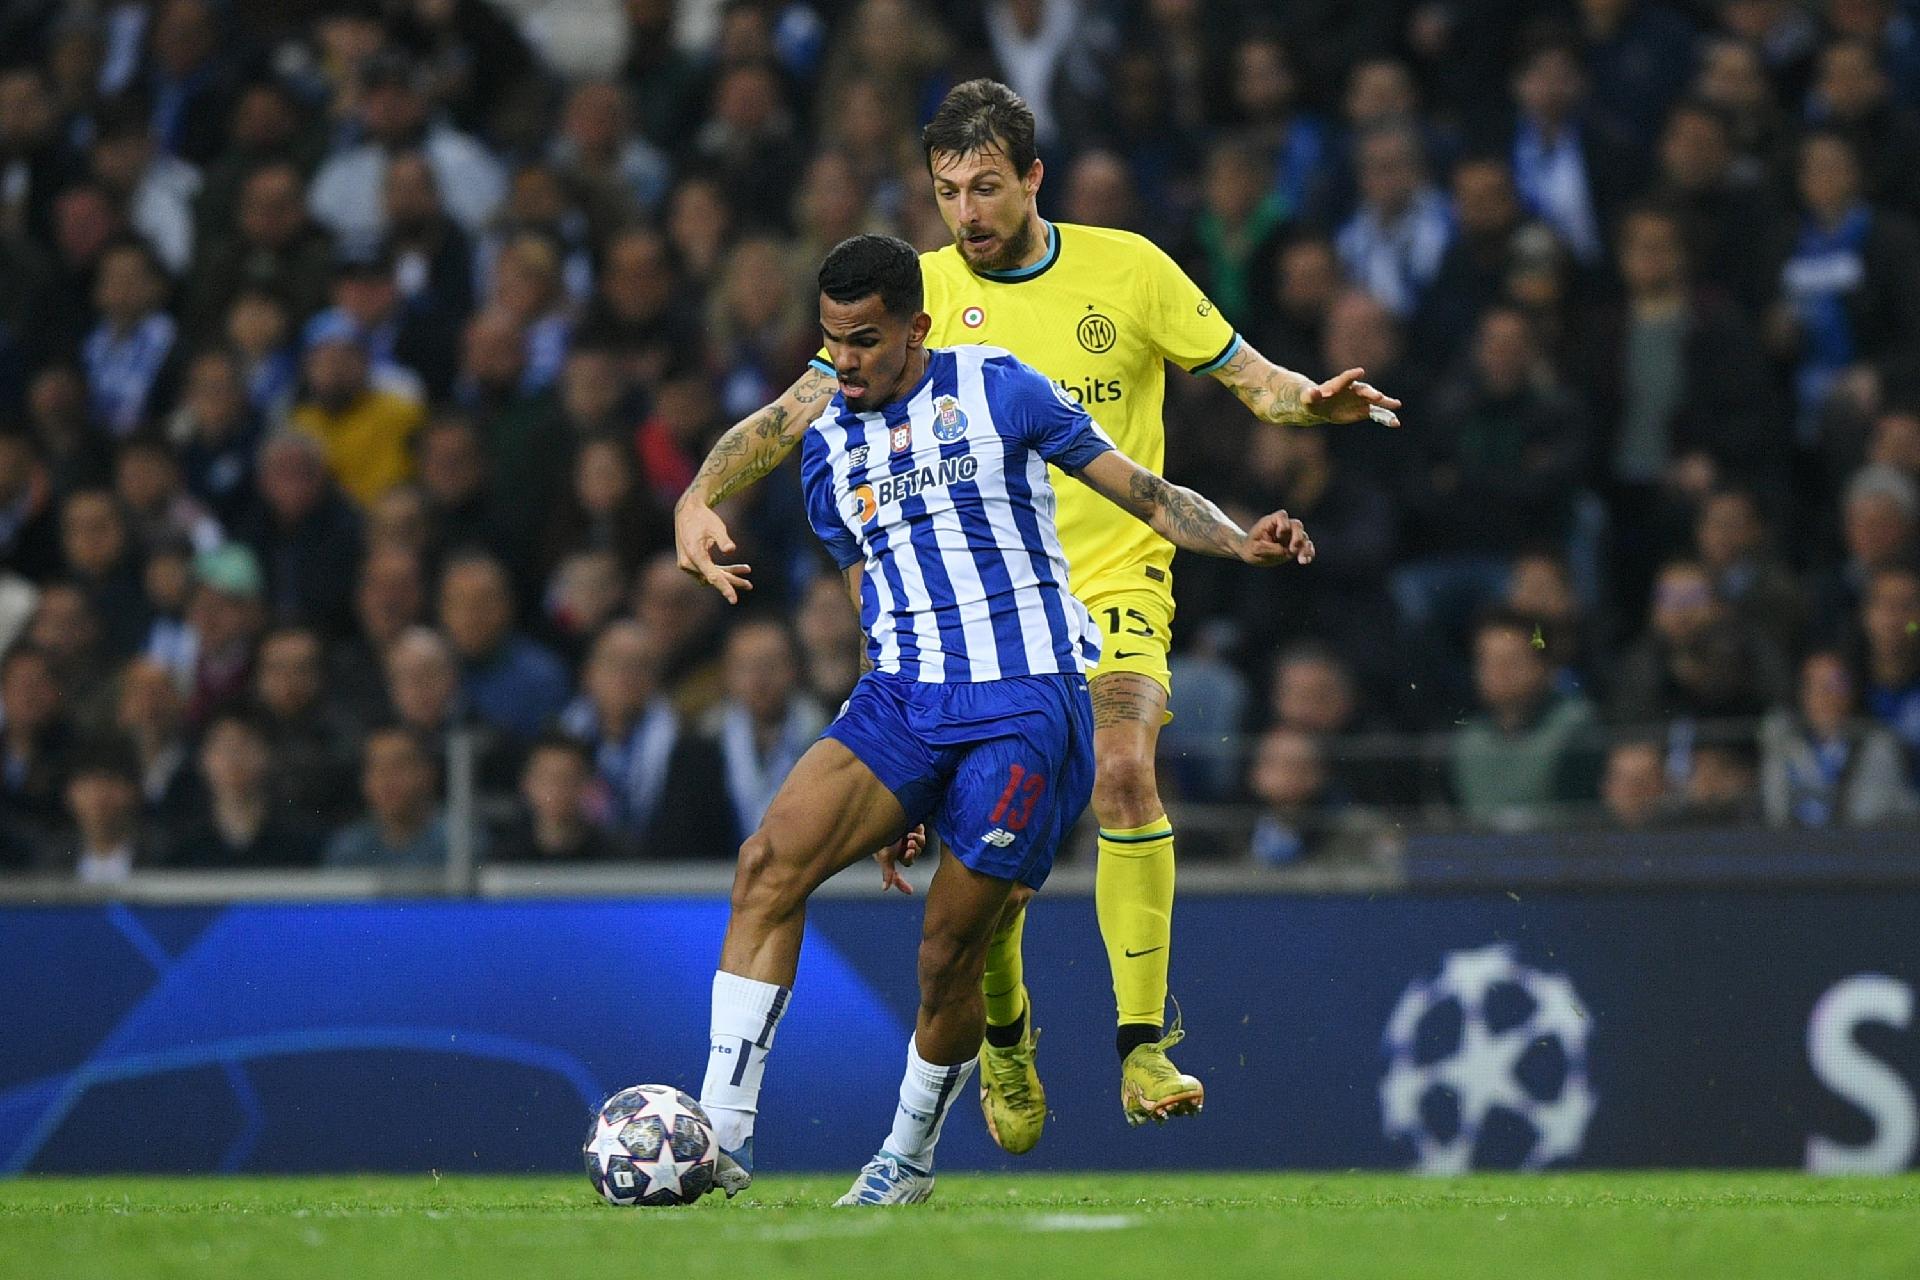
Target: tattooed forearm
x,y
748,451
1271,392
1183,517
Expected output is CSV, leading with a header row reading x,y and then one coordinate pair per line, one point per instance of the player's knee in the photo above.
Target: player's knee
x,y
1017,901
950,969
1125,793
764,883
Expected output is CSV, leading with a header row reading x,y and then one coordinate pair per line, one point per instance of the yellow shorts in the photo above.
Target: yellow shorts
x,y
1136,628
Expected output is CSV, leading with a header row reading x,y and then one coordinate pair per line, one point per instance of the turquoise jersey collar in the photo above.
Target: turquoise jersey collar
x,y
1018,274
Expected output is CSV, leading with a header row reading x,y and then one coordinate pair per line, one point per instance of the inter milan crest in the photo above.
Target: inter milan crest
x,y
1096,333
900,438
949,423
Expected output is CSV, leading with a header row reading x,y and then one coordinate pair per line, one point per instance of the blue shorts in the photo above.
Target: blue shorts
x,y
1003,768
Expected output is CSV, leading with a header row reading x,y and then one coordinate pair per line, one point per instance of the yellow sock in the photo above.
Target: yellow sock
x,y
1133,896
1004,983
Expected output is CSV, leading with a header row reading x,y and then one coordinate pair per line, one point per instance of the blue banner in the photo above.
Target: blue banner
x,y
1709,1028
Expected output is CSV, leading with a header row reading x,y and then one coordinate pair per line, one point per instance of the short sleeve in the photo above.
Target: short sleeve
x,y
1183,322
816,486
1042,415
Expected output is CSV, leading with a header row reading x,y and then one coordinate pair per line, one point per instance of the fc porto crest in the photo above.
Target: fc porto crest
x,y
949,422
900,438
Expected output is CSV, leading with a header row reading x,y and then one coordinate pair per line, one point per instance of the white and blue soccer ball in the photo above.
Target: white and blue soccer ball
x,y
651,1145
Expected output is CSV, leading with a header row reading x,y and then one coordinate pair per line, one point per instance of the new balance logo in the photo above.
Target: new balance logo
x,y
999,837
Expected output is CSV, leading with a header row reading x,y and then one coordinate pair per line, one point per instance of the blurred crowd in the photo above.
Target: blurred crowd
x,y
353,353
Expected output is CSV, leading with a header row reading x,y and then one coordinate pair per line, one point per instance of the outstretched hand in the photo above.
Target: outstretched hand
x,y
900,853
698,534
1344,398
1276,539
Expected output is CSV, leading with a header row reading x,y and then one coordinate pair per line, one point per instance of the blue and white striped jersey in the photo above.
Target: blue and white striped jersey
x,y
943,496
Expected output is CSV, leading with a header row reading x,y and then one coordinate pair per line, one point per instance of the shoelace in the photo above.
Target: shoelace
x,y
1010,1076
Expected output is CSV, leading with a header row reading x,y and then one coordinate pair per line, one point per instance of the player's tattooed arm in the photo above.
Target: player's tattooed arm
x,y
1282,396
749,450
1191,522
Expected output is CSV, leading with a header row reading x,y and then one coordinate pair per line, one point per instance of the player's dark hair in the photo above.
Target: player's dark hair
x,y
864,265
982,115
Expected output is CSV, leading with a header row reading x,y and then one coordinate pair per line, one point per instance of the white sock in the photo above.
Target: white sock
x,y
927,1093
745,1013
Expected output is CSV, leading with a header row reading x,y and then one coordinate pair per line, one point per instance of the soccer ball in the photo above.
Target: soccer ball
x,y
651,1145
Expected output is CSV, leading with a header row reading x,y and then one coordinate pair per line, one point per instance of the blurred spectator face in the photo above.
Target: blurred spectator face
x,y
26,110
397,780
392,110
602,476
234,760
1879,528
756,285
1550,86
748,99
1634,786
476,607
636,280
1890,615
412,192
1100,191
263,119
453,470
699,220
168,580
289,676
1483,197
150,703
1287,771
586,592
1309,277
1729,529
1314,695
1695,151
146,477
84,220
826,622
1684,606
121,158
1503,352
273,209
1895,441
1236,182
214,396
1850,81
1511,675
832,205
595,119
422,679
1380,90
884,30
672,606
622,673
390,595
1829,176
104,804
293,477
64,626
184,36
1827,695
495,351
1539,588
1263,80
256,325
29,692
985,206
1721,779
337,373
1361,333
760,671
399,518
1653,258
536,197
869,123
93,533
554,785
591,386
128,287
684,405
1733,77
222,621
1391,170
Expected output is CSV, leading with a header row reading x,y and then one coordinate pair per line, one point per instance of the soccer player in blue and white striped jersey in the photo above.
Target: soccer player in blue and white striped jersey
x,y
926,477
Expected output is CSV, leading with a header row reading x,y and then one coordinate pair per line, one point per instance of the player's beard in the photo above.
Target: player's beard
x,y
1013,249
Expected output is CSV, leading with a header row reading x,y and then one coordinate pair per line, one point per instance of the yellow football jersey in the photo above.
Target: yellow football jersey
x,y
1100,314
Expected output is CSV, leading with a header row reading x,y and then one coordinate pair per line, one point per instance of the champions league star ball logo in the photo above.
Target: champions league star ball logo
x,y
1487,1066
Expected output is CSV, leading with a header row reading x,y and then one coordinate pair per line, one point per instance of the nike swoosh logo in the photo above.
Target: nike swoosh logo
x,y
1129,653
1135,955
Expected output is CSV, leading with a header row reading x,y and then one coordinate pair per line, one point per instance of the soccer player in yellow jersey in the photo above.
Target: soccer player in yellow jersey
x,y
1100,312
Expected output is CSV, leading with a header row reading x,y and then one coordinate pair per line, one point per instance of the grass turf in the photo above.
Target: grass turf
x,y
1695,1225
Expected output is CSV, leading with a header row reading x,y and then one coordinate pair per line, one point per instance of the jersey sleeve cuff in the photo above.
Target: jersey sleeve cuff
x,y
1225,355
822,366
1085,449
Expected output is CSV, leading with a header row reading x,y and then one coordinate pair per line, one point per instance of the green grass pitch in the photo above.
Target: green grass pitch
x,y
1029,1227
